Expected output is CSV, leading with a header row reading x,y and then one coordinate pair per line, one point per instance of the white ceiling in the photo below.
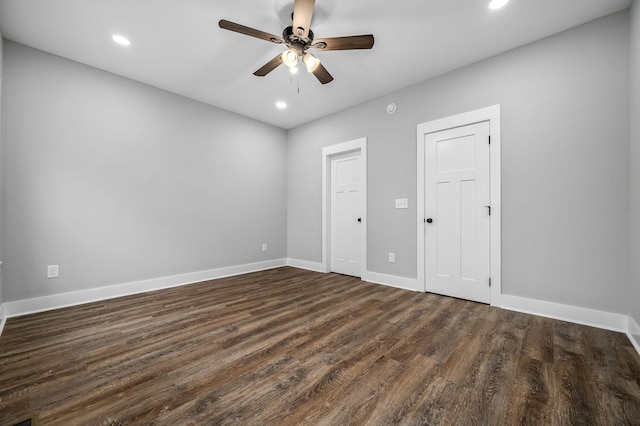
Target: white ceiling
x,y
178,46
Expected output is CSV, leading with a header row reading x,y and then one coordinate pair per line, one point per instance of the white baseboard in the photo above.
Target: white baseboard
x,y
3,318
575,314
56,301
590,317
372,277
306,264
391,280
633,333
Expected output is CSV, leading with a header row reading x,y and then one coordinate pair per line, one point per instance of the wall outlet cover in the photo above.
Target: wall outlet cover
x,y
53,271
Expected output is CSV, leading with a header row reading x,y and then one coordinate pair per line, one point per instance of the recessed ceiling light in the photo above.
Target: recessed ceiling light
x,y
281,105
120,39
497,4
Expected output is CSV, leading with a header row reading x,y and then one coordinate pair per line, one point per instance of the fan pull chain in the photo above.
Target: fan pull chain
x,y
295,76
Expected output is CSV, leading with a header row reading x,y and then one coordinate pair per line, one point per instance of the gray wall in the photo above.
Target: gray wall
x,y
635,162
565,170
116,181
1,205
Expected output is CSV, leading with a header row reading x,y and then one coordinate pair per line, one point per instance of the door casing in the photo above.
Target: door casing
x,y
357,145
492,115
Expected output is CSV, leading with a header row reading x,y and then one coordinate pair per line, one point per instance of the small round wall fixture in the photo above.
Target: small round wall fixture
x,y
391,108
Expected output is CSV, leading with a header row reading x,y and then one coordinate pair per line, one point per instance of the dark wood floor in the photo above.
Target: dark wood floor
x,y
289,346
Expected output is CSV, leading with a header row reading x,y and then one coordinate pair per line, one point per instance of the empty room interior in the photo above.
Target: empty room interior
x,y
320,212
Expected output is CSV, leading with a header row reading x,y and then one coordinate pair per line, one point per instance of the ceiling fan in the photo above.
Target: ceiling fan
x,y
299,38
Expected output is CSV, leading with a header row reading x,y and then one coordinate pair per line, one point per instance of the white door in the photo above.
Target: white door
x,y
346,215
457,216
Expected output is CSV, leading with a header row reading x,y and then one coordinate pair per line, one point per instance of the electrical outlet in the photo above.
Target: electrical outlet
x,y
264,247
53,271
392,257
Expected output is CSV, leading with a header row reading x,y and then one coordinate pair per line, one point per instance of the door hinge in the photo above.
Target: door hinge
x,y
489,282
489,139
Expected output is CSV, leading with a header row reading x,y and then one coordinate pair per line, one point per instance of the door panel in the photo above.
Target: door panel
x,y
467,230
442,237
456,196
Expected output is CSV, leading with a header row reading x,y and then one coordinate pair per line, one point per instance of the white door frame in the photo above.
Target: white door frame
x,y
358,145
492,115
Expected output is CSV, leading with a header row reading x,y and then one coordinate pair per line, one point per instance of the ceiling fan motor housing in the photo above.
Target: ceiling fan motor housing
x,y
296,42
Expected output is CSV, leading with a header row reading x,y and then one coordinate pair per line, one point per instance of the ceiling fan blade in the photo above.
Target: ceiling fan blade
x,y
269,66
322,74
302,14
344,43
232,26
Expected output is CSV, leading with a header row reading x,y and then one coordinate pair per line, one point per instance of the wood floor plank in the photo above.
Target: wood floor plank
x,y
289,346
462,366
530,402
440,402
346,410
312,401
538,339
394,400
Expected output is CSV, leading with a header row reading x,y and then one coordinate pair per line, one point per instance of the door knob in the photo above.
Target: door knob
x,y
359,219
429,220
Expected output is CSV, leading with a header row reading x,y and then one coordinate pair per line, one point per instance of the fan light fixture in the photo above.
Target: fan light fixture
x,y
290,58
311,62
497,4
298,38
